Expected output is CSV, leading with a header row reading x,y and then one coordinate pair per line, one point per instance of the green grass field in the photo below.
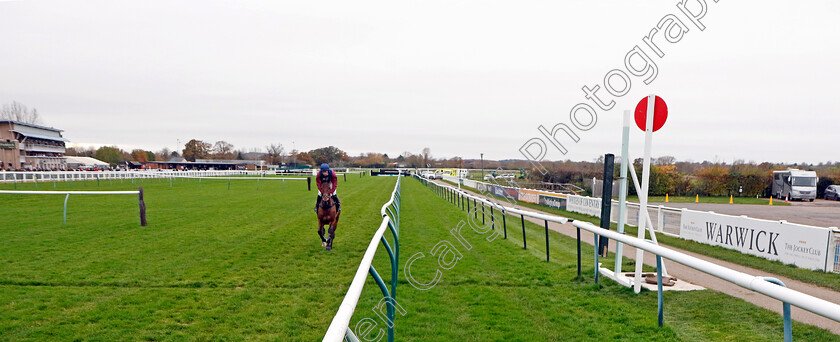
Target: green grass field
x,y
213,264
245,263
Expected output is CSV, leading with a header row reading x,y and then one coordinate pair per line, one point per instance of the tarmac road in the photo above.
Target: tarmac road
x,y
820,213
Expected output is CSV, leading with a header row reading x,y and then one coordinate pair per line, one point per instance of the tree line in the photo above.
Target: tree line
x,y
684,178
668,175
16,111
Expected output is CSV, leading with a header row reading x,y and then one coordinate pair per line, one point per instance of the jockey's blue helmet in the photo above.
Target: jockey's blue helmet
x,y
325,167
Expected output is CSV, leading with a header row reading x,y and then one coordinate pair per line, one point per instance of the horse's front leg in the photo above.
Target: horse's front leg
x,y
333,226
321,233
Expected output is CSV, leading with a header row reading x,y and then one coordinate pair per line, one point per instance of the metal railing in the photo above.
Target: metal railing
x,y
462,200
664,219
69,176
764,285
138,192
61,176
834,250
340,326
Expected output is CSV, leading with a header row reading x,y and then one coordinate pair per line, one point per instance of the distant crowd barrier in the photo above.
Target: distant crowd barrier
x,y
805,246
68,176
61,176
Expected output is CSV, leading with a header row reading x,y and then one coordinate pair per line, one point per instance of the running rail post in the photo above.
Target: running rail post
x,y
524,240
66,198
390,309
504,222
596,241
578,251
546,242
483,215
785,310
492,219
142,207
659,299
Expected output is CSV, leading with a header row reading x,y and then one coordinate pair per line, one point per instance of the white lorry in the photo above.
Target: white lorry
x,y
795,184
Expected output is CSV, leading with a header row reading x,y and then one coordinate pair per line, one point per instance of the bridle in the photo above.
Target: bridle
x,y
326,201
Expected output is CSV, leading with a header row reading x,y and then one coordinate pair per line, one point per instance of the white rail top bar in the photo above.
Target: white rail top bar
x,y
341,321
755,283
251,178
24,192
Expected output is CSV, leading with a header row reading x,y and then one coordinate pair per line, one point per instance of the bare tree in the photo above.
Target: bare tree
x,y
80,151
223,150
427,156
273,153
163,154
665,160
18,112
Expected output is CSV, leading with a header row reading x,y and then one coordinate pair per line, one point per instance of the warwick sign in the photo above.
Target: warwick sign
x,y
714,232
790,243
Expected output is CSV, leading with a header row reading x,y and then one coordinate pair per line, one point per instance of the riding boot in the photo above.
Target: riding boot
x,y
337,203
317,203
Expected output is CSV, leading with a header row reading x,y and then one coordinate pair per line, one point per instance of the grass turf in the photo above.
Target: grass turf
x,y
245,263
213,264
498,291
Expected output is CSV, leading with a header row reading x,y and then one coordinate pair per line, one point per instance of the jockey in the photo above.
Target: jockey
x,y
326,175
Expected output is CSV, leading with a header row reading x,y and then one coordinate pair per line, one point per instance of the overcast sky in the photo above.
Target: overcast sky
x,y
759,83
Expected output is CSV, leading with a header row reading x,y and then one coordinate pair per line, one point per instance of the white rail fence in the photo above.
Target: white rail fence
x,y
340,326
61,176
138,192
752,282
665,220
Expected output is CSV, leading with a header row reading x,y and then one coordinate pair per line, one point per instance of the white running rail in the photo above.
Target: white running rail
x,y
756,283
340,326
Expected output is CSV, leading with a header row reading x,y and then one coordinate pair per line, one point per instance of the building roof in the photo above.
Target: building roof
x,y
208,162
32,125
86,161
228,161
39,136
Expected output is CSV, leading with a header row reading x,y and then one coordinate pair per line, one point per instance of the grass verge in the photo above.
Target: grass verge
x,y
497,291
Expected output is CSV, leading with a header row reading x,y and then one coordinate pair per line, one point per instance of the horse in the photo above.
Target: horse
x,y
327,215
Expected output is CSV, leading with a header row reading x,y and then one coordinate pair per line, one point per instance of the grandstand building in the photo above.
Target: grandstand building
x,y
25,146
202,164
